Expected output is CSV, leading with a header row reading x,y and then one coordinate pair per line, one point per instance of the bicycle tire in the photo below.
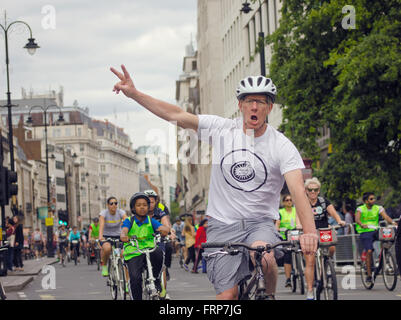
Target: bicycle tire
x,y
364,274
300,280
389,270
97,254
75,255
89,258
121,280
112,281
330,288
2,292
145,289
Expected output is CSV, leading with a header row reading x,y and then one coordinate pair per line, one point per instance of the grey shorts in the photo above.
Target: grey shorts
x,y
226,271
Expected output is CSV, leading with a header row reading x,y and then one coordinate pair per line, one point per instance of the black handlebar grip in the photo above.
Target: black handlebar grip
x,y
213,244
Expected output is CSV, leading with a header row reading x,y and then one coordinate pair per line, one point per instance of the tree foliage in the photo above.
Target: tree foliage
x,y
346,79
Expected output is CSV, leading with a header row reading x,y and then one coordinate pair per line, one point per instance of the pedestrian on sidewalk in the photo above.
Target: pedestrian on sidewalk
x,y
199,239
10,234
19,244
38,242
189,234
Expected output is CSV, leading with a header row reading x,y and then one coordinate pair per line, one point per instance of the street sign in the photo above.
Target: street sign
x,y
49,222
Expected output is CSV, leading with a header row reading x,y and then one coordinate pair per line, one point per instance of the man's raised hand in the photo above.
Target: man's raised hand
x,y
126,85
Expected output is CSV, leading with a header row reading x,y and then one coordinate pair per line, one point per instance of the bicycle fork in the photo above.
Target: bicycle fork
x,y
151,279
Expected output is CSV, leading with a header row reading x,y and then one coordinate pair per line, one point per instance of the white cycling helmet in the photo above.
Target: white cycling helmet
x,y
150,193
256,85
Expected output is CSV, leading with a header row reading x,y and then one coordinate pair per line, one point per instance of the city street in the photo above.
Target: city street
x,y
84,282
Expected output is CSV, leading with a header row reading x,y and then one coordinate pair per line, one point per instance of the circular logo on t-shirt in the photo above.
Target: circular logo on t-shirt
x,y
243,170
317,210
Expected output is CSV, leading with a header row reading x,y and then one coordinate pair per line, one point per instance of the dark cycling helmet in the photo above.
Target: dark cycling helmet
x,y
256,85
95,219
136,196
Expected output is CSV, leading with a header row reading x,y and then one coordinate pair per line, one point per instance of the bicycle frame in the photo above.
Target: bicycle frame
x,y
257,279
149,283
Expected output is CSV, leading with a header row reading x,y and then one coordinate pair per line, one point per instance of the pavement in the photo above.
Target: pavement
x,y
17,280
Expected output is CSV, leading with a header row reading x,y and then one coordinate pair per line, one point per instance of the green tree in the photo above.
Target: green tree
x,y
345,79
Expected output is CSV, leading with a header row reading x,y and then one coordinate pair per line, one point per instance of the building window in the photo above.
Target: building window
x,y
146,165
82,162
102,168
59,165
79,132
84,208
103,180
60,181
60,197
194,65
81,147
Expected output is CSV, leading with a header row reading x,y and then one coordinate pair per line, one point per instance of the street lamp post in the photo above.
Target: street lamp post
x,y
89,199
31,46
50,248
246,9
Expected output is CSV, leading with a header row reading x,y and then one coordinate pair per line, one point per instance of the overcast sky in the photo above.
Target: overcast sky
x,y
80,40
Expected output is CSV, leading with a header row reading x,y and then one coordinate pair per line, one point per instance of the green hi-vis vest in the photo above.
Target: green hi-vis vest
x,y
287,220
368,217
95,230
144,234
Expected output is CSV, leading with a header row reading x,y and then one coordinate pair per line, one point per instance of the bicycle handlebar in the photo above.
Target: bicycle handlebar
x,y
229,245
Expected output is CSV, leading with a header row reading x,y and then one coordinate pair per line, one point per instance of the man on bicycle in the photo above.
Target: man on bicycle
x,y
367,216
75,235
93,233
62,241
143,227
251,161
110,222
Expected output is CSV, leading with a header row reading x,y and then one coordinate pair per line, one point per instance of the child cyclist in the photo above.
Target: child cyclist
x,y
143,227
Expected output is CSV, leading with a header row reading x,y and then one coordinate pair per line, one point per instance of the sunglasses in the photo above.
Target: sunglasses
x,y
371,198
313,189
288,200
112,203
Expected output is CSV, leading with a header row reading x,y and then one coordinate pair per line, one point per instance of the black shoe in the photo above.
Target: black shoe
x,y
288,283
368,280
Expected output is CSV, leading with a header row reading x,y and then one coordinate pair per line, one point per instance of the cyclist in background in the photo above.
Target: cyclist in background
x,y
288,220
321,208
62,239
93,233
178,227
75,235
368,215
110,222
143,227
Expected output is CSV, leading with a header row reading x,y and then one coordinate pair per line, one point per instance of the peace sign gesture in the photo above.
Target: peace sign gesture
x,y
126,85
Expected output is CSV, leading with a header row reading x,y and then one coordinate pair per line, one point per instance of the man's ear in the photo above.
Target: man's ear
x,y
240,105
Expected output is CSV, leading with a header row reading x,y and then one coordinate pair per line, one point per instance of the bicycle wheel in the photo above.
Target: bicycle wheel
x,y
97,254
2,292
75,256
121,280
89,257
112,281
364,274
300,281
145,289
181,261
389,270
329,282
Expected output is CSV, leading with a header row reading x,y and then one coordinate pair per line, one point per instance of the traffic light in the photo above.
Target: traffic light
x,y
12,187
62,217
3,186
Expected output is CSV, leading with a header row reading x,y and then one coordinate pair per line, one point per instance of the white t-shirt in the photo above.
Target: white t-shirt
x,y
247,172
112,223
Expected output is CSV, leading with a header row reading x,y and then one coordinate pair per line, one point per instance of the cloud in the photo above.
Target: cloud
x,y
149,37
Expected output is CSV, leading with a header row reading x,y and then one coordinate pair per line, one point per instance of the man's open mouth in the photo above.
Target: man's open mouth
x,y
255,118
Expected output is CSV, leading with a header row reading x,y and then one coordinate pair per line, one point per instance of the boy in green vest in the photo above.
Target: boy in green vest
x,y
365,216
143,227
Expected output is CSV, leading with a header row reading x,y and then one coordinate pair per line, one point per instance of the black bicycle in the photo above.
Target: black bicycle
x,y
74,244
385,263
252,287
297,261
